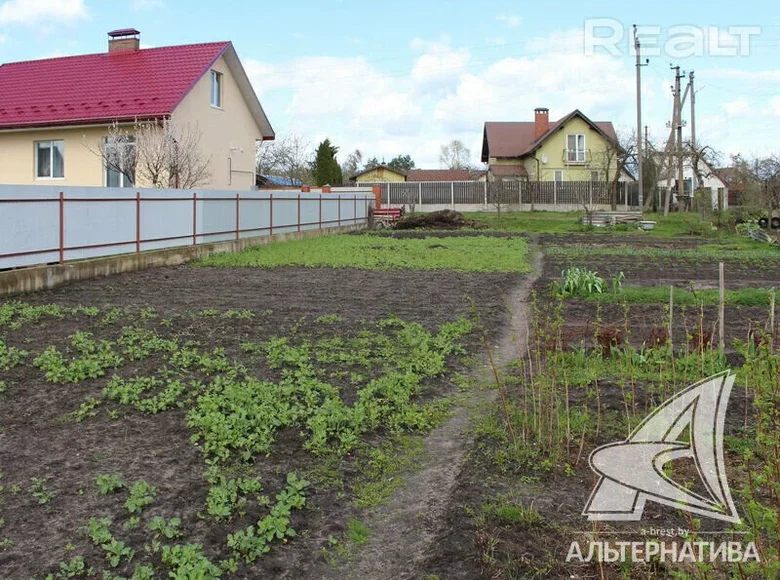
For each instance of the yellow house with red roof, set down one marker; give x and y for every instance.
(55, 114)
(573, 148)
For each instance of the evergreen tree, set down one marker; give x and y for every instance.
(325, 168)
(401, 163)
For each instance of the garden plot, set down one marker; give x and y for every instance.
(223, 421)
(596, 366)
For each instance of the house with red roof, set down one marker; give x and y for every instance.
(56, 114)
(573, 148)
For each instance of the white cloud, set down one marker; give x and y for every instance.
(510, 20)
(146, 4)
(34, 11)
(737, 108)
(3, 39)
(440, 65)
(774, 107)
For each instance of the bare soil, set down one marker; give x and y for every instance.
(38, 440)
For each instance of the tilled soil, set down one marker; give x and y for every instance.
(38, 440)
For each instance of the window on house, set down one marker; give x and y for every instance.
(558, 175)
(49, 159)
(216, 89)
(119, 153)
(575, 148)
(594, 176)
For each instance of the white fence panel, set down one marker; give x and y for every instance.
(47, 224)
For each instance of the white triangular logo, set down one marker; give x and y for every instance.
(632, 471)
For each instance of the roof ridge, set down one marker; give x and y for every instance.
(106, 53)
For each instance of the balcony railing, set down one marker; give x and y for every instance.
(577, 156)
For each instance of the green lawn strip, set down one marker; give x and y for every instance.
(660, 295)
(752, 253)
(552, 222)
(480, 254)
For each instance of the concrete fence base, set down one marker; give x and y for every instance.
(45, 277)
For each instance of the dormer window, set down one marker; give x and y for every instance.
(216, 89)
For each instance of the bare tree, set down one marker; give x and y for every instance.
(455, 155)
(759, 179)
(289, 157)
(352, 165)
(156, 154)
(501, 193)
(613, 161)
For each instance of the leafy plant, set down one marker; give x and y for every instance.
(580, 282)
(109, 483)
(165, 529)
(141, 495)
(188, 562)
(39, 490)
(116, 551)
(10, 356)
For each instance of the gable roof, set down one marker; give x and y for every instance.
(113, 86)
(380, 166)
(438, 175)
(517, 139)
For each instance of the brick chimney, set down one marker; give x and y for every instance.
(541, 121)
(124, 40)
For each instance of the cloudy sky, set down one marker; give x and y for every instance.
(406, 76)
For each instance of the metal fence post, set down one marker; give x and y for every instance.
(137, 222)
(320, 211)
(238, 216)
(485, 191)
(338, 198)
(271, 214)
(452, 194)
(299, 212)
(625, 193)
(194, 218)
(419, 193)
(62, 227)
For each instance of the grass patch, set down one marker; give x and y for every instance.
(480, 254)
(357, 532)
(382, 469)
(660, 295)
(553, 222)
(752, 253)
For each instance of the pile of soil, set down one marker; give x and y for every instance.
(445, 219)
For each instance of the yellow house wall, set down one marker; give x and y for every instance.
(231, 126)
(555, 145)
(82, 166)
(380, 175)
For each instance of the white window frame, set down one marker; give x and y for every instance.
(123, 180)
(558, 173)
(578, 154)
(51, 176)
(216, 89)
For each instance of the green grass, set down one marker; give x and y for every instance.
(553, 222)
(752, 252)
(480, 254)
(357, 532)
(660, 295)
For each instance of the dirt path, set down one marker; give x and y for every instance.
(402, 531)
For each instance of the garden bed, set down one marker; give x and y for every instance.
(101, 378)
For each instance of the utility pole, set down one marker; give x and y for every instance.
(680, 150)
(694, 150)
(639, 156)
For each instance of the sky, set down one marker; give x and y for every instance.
(406, 77)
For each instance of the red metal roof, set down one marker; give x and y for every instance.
(105, 87)
(438, 175)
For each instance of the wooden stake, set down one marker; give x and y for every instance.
(671, 315)
(722, 306)
(772, 300)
